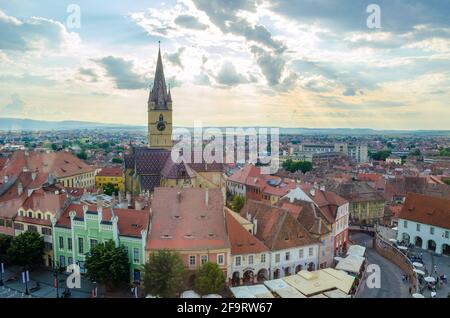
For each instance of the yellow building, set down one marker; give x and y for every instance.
(113, 175)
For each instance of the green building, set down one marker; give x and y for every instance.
(80, 227)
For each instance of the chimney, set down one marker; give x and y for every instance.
(312, 191)
(128, 199)
(33, 175)
(138, 204)
(179, 196)
(255, 226)
(20, 188)
(5, 179)
(322, 188)
(206, 196)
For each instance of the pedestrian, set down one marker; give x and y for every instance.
(410, 290)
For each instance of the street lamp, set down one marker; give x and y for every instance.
(25, 280)
(2, 270)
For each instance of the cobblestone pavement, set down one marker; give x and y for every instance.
(392, 285)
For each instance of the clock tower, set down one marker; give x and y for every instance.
(160, 111)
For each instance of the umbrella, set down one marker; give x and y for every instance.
(417, 264)
(433, 294)
(393, 240)
(212, 296)
(338, 259)
(395, 228)
(417, 295)
(189, 294)
(403, 248)
(418, 271)
(430, 279)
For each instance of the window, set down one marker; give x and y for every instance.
(39, 216)
(2, 222)
(446, 234)
(192, 260)
(238, 261)
(61, 243)
(250, 260)
(287, 256)
(126, 249)
(69, 244)
(418, 227)
(70, 261)
(18, 226)
(432, 230)
(93, 243)
(311, 251)
(136, 255)
(405, 224)
(30, 214)
(62, 261)
(203, 259)
(277, 258)
(221, 259)
(263, 258)
(80, 245)
(32, 228)
(46, 231)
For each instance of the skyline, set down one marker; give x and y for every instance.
(236, 64)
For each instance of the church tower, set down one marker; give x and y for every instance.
(160, 111)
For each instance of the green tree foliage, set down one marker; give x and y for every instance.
(5, 243)
(380, 155)
(27, 249)
(237, 203)
(444, 152)
(415, 152)
(294, 166)
(209, 279)
(447, 181)
(164, 274)
(108, 265)
(110, 188)
(117, 160)
(82, 155)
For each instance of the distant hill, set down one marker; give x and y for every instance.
(16, 124)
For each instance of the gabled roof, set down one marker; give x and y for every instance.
(243, 174)
(358, 192)
(427, 210)
(110, 172)
(187, 219)
(242, 241)
(276, 227)
(45, 201)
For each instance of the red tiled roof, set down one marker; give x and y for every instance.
(276, 227)
(59, 164)
(242, 175)
(427, 210)
(369, 177)
(181, 220)
(242, 241)
(45, 201)
(130, 222)
(110, 172)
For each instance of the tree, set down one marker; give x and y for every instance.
(108, 265)
(380, 155)
(82, 155)
(110, 188)
(27, 249)
(294, 166)
(209, 279)
(237, 203)
(447, 181)
(164, 274)
(54, 147)
(5, 243)
(117, 160)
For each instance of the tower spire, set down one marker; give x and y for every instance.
(158, 95)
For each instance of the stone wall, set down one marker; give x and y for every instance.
(393, 254)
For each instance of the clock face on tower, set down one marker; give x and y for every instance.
(161, 124)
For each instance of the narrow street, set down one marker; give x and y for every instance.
(392, 285)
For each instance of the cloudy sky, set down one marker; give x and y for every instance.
(291, 63)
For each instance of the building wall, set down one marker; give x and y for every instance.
(236, 188)
(258, 264)
(367, 212)
(295, 259)
(100, 181)
(82, 180)
(91, 230)
(440, 236)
